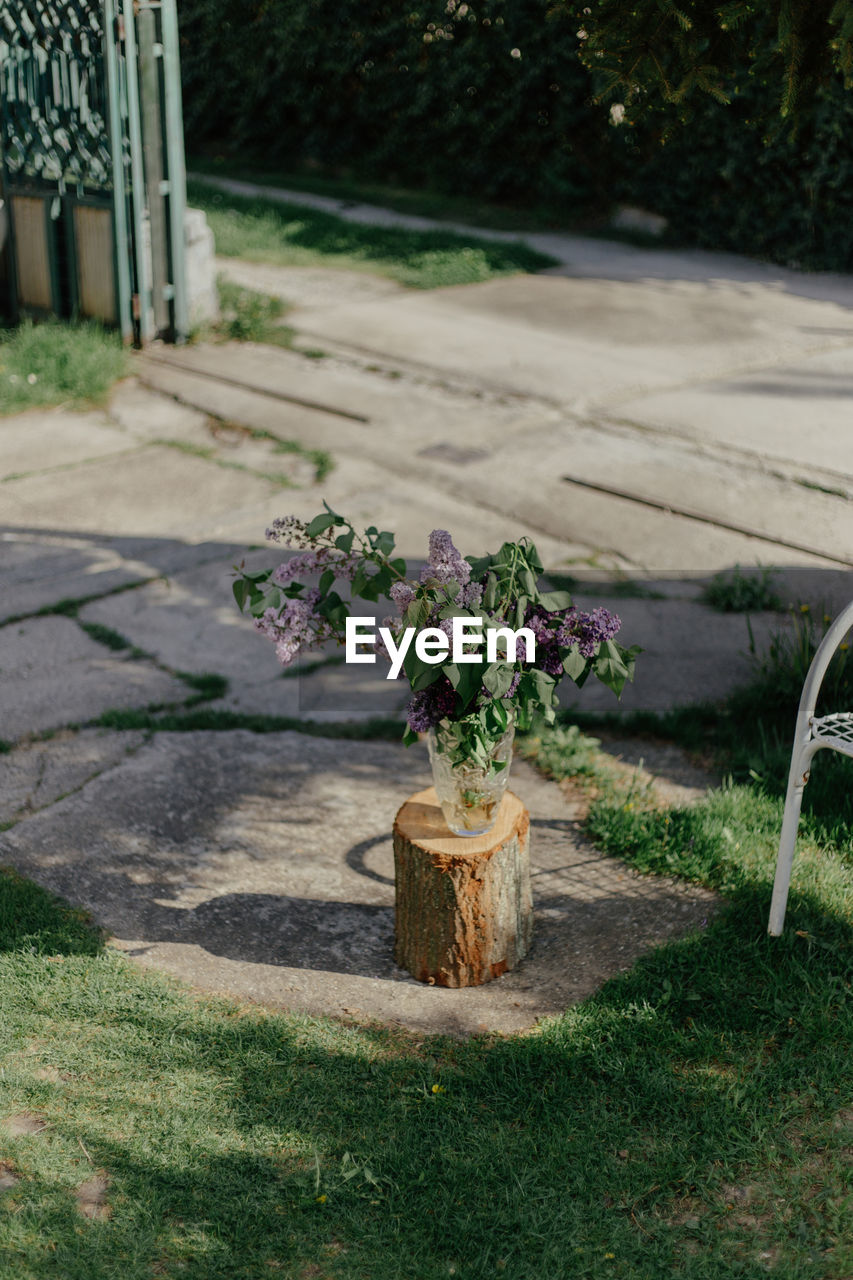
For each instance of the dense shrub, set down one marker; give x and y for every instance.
(487, 99)
(741, 177)
(490, 100)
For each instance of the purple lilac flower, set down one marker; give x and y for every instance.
(547, 653)
(306, 562)
(587, 630)
(445, 562)
(393, 625)
(402, 594)
(472, 595)
(427, 707)
(570, 629)
(290, 530)
(296, 626)
(512, 688)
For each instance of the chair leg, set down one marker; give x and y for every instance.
(790, 823)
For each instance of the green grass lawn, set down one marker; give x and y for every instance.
(295, 236)
(58, 363)
(693, 1119)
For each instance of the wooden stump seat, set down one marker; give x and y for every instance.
(464, 912)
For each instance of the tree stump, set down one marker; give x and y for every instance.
(464, 913)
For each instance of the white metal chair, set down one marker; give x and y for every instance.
(834, 731)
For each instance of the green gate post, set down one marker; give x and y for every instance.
(122, 243)
(142, 249)
(152, 148)
(176, 166)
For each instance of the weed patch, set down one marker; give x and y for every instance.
(44, 364)
(737, 592)
(250, 316)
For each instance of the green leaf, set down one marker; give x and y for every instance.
(555, 601)
(497, 678)
(614, 665)
(320, 524)
(420, 674)
(469, 681)
(409, 737)
(258, 575)
(344, 541)
(326, 579)
(416, 613)
(241, 592)
(383, 581)
(384, 544)
(574, 665)
(499, 712)
(532, 557)
(426, 677)
(478, 566)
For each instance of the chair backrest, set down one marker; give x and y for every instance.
(818, 669)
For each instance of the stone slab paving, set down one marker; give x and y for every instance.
(190, 622)
(38, 569)
(533, 332)
(733, 492)
(311, 286)
(37, 774)
(536, 469)
(53, 674)
(370, 493)
(49, 437)
(795, 413)
(690, 653)
(161, 490)
(263, 866)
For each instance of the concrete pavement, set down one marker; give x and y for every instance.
(646, 430)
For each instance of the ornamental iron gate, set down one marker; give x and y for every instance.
(93, 175)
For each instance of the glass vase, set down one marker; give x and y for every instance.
(470, 795)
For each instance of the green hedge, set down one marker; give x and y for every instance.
(740, 177)
(435, 97)
(409, 93)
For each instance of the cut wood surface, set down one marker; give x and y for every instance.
(464, 912)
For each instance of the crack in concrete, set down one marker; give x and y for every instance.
(59, 467)
(29, 808)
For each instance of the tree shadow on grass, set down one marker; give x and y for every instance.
(708, 1075)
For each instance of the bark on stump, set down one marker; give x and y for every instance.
(464, 912)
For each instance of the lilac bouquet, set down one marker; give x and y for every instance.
(464, 669)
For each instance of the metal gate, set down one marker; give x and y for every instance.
(94, 182)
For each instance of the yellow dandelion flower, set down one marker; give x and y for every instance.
(804, 608)
(610, 1255)
(438, 1088)
(321, 1199)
